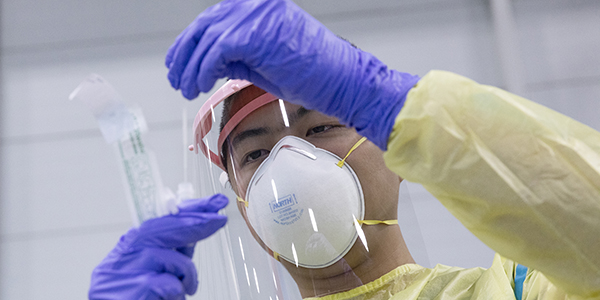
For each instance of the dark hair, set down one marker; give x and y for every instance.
(225, 117)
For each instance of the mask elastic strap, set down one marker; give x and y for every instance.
(275, 254)
(365, 222)
(341, 162)
(243, 201)
(375, 222)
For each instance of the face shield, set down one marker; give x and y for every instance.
(315, 210)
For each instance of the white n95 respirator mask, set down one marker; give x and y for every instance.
(305, 203)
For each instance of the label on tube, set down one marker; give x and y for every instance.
(123, 127)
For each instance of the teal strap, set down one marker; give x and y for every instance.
(520, 275)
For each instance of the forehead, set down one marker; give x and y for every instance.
(266, 125)
(275, 115)
(278, 113)
(261, 128)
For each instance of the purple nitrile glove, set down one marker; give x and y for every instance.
(285, 51)
(154, 260)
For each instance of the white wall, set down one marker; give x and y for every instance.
(62, 205)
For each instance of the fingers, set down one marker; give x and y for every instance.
(187, 251)
(164, 286)
(176, 231)
(241, 71)
(180, 53)
(210, 204)
(210, 67)
(218, 39)
(116, 284)
(169, 59)
(228, 20)
(196, 220)
(230, 39)
(189, 89)
(187, 45)
(151, 261)
(172, 49)
(170, 262)
(144, 264)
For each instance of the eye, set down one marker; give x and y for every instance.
(255, 155)
(319, 129)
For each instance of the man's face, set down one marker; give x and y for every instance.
(251, 141)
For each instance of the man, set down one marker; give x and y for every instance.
(379, 250)
(524, 179)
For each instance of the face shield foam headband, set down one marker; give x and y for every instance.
(205, 118)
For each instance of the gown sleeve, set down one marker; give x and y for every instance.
(521, 177)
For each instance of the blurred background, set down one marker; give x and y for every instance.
(62, 202)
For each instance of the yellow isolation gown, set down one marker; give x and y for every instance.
(523, 178)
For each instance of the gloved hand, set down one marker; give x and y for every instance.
(285, 51)
(154, 260)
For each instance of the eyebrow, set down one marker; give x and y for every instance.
(298, 114)
(250, 133)
(261, 131)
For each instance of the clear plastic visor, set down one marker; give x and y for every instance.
(311, 201)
